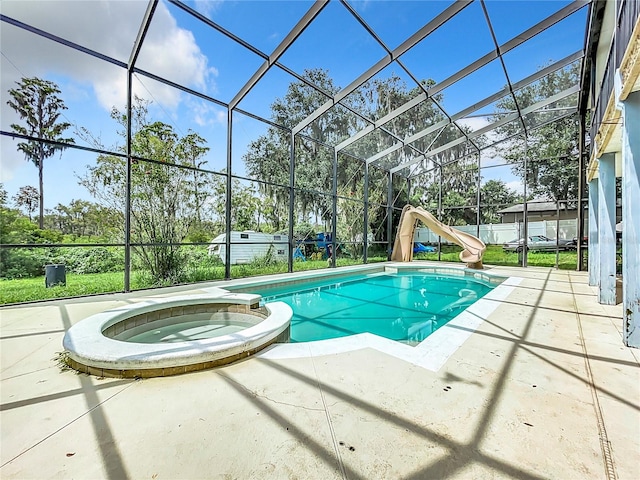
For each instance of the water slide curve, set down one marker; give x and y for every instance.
(473, 247)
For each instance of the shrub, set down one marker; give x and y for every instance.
(266, 260)
(24, 262)
(201, 266)
(92, 259)
(199, 235)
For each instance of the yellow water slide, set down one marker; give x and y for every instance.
(473, 247)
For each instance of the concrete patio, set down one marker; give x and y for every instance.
(543, 389)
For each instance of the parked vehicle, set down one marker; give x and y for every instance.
(539, 243)
(248, 245)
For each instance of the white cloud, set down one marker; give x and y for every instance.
(363, 5)
(205, 113)
(474, 123)
(108, 27)
(172, 52)
(208, 7)
(516, 186)
(491, 158)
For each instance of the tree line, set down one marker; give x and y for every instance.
(175, 200)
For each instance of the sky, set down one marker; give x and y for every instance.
(190, 53)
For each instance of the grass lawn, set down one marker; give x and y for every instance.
(32, 289)
(494, 255)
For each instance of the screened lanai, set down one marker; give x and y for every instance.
(178, 165)
(312, 123)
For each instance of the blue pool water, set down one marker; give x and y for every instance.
(406, 307)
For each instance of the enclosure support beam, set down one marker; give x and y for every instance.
(607, 228)
(389, 216)
(292, 172)
(416, 38)
(478, 199)
(511, 137)
(509, 45)
(461, 114)
(504, 67)
(135, 52)
(525, 224)
(365, 230)
(437, 88)
(631, 220)
(486, 129)
(127, 192)
(440, 211)
(227, 213)
(142, 33)
(295, 32)
(594, 251)
(558, 233)
(581, 189)
(62, 41)
(334, 213)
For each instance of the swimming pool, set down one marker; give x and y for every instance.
(403, 306)
(200, 330)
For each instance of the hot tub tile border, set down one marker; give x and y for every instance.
(88, 335)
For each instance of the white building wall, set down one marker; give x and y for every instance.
(245, 247)
(499, 233)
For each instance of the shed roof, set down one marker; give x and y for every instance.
(536, 207)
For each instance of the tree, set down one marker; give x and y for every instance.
(268, 157)
(494, 196)
(164, 201)
(37, 103)
(27, 198)
(245, 210)
(459, 198)
(3, 196)
(552, 149)
(83, 218)
(15, 228)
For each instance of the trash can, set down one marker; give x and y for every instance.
(54, 275)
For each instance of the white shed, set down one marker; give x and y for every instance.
(248, 245)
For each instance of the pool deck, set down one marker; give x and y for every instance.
(543, 389)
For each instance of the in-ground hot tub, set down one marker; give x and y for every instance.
(173, 335)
